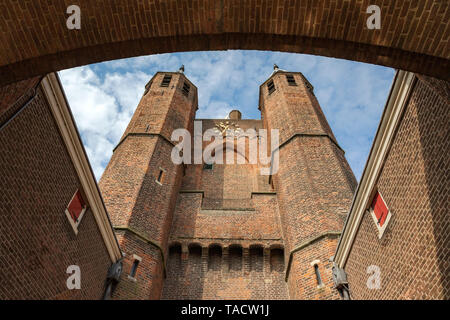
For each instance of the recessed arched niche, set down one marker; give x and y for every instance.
(174, 260)
(256, 255)
(277, 259)
(215, 257)
(235, 257)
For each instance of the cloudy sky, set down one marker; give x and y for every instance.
(104, 96)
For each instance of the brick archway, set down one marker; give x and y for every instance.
(414, 35)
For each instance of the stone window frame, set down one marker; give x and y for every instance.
(381, 229)
(75, 224)
(291, 80)
(139, 260)
(186, 89)
(319, 280)
(167, 79)
(161, 175)
(271, 87)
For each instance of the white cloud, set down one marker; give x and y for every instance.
(97, 112)
(104, 96)
(216, 109)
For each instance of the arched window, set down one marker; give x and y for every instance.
(174, 256)
(214, 257)
(235, 256)
(256, 258)
(315, 265)
(277, 260)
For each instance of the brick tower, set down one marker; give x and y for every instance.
(140, 185)
(314, 183)
(223, 230)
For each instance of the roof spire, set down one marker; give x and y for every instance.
(276, 69)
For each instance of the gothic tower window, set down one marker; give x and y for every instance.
(290, 79)
(166, 80)
(315, 265)
(161, 174)
(186, 88)
(271, 86)
(317, 272)
(134, 267)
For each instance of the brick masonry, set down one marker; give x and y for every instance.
(225, 232)
(413, 254)
(228, 232)
(139, 204)
(314, 183)
(202, 271)
(35, 40)
(226, 240)
(234, 228)
(38, 180)
(14, 96)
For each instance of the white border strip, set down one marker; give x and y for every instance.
(72, 223)
(75, 224)
(400, 91)
(375, 220)
(61, 113)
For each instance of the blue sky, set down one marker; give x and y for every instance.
(104, 96)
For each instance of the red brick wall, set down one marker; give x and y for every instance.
(147, 283)
(14, 96)
(314, 183)
(216, 271)
(229, 217)
(38, 180)
(303, 282)
(413, 253)
(258, 220)
(413, 36)
(234, 209)
(133, 197)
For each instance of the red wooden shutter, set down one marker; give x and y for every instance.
(379, 208)
(76, 206)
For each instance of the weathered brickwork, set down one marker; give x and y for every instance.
(140, 184)
(314, 182)
(148, 281)
(230, 214)
(413, 254)
(413, 36)
(14, 96)
(225, 230)
(231, 272)
(38, 180)
(307, 286)
(193, 220)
